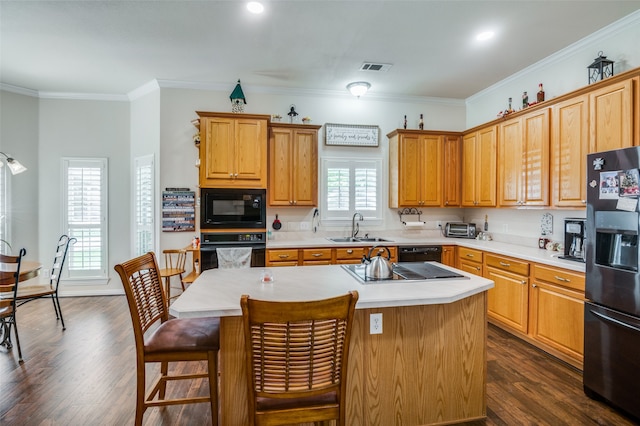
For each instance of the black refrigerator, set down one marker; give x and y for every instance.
(612, 309)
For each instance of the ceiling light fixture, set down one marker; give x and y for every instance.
(255, 7)
(485, 35)
(358, 88)
(13, 164)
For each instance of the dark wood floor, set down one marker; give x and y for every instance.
(86, 375)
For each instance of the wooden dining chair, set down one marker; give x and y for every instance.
(174, 261)
(174, 340)
(28, 291)
(8, 288)
(297, 356)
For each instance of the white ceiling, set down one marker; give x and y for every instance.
(115, 47)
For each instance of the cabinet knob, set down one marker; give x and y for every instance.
(477, 268)
(349, 251)
(236, 175)
(295, 202)
(523, 282)
(230, 175)
(583, 201)
(534, 286)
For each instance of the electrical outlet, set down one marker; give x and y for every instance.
(305, 226)
(375, 324)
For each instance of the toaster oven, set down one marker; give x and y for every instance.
(460, 230)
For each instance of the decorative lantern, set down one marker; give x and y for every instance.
(600, 69)
(237, 99)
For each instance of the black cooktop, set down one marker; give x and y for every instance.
(406, 271)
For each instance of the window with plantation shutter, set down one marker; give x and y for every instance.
(351, 186)
(85, 216)
(143, 204)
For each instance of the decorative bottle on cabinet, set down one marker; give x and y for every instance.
(405, 121)
(525, 100)
(540, 93)
(421, 124)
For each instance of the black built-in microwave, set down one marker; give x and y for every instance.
(231, 208)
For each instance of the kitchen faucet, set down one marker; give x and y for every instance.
(355, 228)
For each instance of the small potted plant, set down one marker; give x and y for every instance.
(306, 120)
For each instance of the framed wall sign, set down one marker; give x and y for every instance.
(178, 210)
(351, 134)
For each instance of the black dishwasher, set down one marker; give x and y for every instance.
(420, 254)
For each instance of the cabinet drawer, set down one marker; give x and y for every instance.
(469, 254)
(282, 255)
(350, 253)
(561, 277)
(316, 254)
(507, 264)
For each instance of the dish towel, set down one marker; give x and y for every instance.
(234, 257)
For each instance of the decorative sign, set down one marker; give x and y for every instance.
(351, 134)
(178, 210)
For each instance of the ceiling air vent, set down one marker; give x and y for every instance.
(370, 66)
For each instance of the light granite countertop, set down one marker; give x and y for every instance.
(531, 254)
(217, 292)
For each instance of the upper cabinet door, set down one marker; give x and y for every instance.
(451, 171)
(293, 165)
(569, 147)
(233, 150)
(535, 178)
(611, 116)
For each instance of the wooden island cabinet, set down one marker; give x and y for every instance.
(233, 150)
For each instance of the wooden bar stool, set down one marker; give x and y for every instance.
(297, 359)
(174, 260)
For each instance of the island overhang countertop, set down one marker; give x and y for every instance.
(217, 292)
(425, 366)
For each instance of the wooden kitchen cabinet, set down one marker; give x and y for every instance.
(479, 168)
(316, 256)
(556, 315)
(349, 255)
(233, 150)
(449, 256)
(523, 160)
(470, 260)
(293, 165)
(415, 168)
(611, 116)
(451, 171)
(569, 148)
(508, 300)
(282, 257)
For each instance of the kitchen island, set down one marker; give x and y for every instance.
(428, 366)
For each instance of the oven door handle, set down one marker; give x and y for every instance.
(607, 318)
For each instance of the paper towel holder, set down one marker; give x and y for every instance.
(412, 211)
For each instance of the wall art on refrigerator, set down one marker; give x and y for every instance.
(178, 210)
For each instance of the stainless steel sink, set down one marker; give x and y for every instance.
(344, 240)
(357, 240)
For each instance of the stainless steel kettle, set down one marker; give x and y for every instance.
(378, 268)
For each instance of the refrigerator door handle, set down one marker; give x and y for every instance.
(614, 321)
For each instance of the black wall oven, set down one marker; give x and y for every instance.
(231, 208)
(210, 241)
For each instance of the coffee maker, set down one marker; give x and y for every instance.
(574, 244)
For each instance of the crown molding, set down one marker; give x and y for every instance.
(18, 90)
(83, 96)
(143, 90)
(628, 21)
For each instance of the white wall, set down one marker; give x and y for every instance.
(561, 72)
(80, 128)
(178, 153)
(19, 137)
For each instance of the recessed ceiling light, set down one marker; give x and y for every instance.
(485, 35)
(255, 7)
